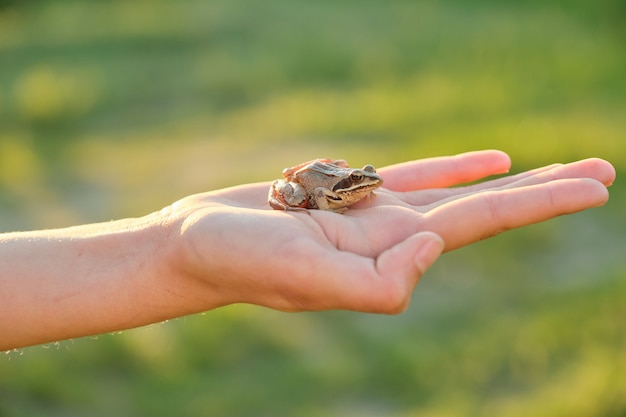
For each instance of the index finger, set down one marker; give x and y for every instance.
(444, 171)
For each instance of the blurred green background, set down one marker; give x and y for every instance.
(113, 109)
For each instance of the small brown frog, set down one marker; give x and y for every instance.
(323, 184)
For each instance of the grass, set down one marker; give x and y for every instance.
(115, 109)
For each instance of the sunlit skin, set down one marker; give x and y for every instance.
(228, 246)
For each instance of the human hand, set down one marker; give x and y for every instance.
(235, 248)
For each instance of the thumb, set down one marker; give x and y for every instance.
(402, 266)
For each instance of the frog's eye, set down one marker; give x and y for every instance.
(369, 168)
(356, 177)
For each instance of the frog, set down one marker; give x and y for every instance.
(323, 184)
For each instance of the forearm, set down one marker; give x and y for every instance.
(58, 284)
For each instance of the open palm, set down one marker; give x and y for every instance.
(371, 257)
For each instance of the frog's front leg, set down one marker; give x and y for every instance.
(324, 198)
(285, 195)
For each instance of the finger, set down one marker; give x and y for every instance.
(388, 285)
(444, 171)
(593, 168)
(438, 196)
(483, 215)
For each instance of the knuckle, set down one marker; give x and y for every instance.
(394, 299)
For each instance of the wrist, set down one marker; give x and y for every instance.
(185, 259)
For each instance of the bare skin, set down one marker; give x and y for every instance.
(228, 246)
